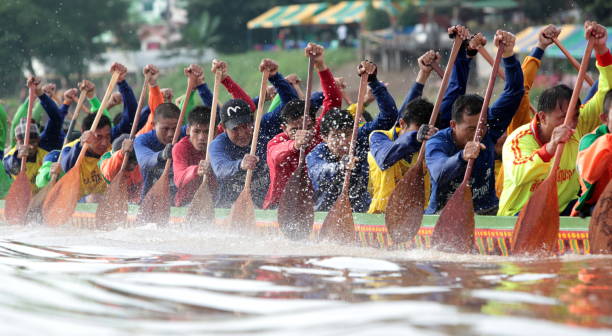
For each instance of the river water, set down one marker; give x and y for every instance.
(153, 281)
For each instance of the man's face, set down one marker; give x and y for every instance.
(293, 126)
(102, 140)
(555, 118)
(198, 136)
(164, 129)
(339, 141)
(465, 130)
(34, 141)
(241, 135)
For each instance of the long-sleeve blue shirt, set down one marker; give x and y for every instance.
(52, 137)
(388, 152)
(148, 154)
(271, 121)
(445, 160)
(225, 158)
(415, 91)
(327, 171)
(456, 87)
(129, 109)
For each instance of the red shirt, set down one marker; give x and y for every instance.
(282, 157)
(185, 160)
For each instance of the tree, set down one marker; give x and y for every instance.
(376, 19)
(203, 33)
(598, 10)
(59, 34)
(541, 11)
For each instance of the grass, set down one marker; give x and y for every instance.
(244, 68)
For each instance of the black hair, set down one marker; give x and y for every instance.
(469, 105)
(607, 102)
(336, 119)
(417, 111)
(199, 115)
(294, 110)
(552, 97)
(88, 122)
(366, 116)
(167, 111)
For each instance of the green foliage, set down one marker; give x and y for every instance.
(244, 68)
(598, 10)
(376, 19)
(60, 34)
(539, 12)
(409, 16)
(203, 33)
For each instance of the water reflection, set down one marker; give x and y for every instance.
(86, 289)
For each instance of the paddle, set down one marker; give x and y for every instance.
(537, 227)
(18, 197)
(338, 224)
(202, 208)
(113, 207)
(155, 207)
(59, 206)
(404, 211)
(485, 54)
(242, 213)
(454, 231)
(35, 209)
(296, 204)
(572, 60)
(600, 236)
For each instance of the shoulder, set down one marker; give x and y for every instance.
(146, 138)
(523, 133)
(52, 156)
(318, 151)
(72, 144)
(279, 138)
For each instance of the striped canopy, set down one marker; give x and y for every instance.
(283, 16)
(571, 37)
(352, 11)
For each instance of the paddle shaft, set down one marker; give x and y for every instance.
(103, 105)
(26, 139)
(443, 86)
(485, 107)
(307, 104)
(571, 107)
(437, 69)
(572, 60)
(212, 126)
(136, 119)
(260, 106)
(485, 54)
(363, 86)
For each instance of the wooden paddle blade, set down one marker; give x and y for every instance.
(296, 206)
(202, 207)
(242, 213)
(113, 208)
(155, 207)
(17, 200)
(537, 228)
(36, 204)
(600, 228)
(338, 224)
(59, 205)
(454, 231)
(404, 212)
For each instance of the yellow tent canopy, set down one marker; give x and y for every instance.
(352, 11)
(283, 16)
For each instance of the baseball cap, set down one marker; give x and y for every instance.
(235, 112)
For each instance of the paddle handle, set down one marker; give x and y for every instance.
(75, 115)
(443, 86)
(258, 115)
(437, 69)
(307, 104)
(571, 107)
(212, 125)
(572, 60)
(26, 140)
(363, 86)
(177, 130)
(103, 105)
(485, 108)
(485, 54)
